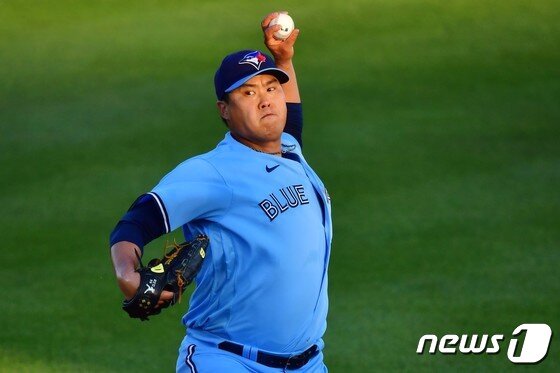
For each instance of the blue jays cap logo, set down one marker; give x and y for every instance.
(254, 59)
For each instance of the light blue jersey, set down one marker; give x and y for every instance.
(264, 280)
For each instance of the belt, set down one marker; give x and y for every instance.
(274, 361)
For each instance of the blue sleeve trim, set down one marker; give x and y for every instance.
(294, 121)
(144, 221)
(165, 216)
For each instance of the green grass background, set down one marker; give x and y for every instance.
(434, 124)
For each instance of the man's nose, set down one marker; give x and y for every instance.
(264, 103)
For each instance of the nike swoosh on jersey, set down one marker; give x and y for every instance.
(270, 169)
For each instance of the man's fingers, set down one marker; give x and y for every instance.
(270, 17)
(269, 32)
(293, 37)
(164, 299)
(267, 19)
(166, 295)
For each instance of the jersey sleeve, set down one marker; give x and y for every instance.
(142, 223)
(193, 190)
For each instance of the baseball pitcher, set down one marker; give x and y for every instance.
(257, 225)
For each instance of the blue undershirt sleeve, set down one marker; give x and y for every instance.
(294, 121)
(143, 222)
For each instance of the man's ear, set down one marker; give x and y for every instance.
(223, 109)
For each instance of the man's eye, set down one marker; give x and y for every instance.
(270, 89)
(249, 93)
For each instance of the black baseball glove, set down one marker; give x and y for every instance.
(173, 273)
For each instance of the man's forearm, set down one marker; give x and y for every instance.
(291, 89)
(125, 261)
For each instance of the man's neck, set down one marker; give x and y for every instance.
(270, 147)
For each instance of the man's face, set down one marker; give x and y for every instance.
(256, 111)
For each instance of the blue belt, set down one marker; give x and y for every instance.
(274, 361)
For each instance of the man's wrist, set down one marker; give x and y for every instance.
(284, 64)
(129, 284)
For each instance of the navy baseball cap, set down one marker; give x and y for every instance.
(239, 67)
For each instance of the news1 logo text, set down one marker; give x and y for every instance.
(529, 350)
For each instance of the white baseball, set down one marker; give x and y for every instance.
(287, 24)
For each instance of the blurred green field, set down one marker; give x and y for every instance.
(434, 124)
